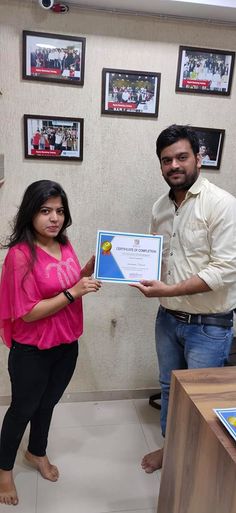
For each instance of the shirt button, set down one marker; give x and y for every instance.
(174, 234)
(177, 213)
(171, 253)
(169, 272)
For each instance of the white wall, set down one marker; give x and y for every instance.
(119, 179)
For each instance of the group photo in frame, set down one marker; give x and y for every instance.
(203, 70)
(53, 137)
(133, 93)
(210, 146)
(53, 57)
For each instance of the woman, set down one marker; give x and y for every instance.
(40, 320)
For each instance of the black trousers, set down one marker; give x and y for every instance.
(38, 380)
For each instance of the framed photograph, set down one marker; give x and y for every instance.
(53, 58)
(133, 93)
(2, 178)
(1, 167)
(210, 146)
(205, 71)
(53, 137)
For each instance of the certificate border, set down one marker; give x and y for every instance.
(118, 280)
(219, 412)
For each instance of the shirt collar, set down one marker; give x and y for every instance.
(194, 190)
(197, 186)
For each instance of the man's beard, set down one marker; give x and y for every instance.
(190, 180)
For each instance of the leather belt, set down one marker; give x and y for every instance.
(220, 319)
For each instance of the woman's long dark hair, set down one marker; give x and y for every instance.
(34, 197)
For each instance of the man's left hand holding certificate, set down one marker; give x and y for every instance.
(127, 257)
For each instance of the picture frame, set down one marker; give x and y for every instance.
(2, 173)
(53, 58)
(204, 71)
(210, 144)
(53, 137)
(130, 93)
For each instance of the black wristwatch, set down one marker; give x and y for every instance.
(68, 296)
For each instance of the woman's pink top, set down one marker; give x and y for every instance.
(21, 290)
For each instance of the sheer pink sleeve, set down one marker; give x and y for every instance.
(18, 290)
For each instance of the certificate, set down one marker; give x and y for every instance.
(228, 418)
(127, 257)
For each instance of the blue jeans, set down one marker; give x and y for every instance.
(187, 346)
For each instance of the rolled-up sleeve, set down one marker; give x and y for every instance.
(221, 269)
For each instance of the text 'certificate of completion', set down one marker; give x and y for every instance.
(127, 257)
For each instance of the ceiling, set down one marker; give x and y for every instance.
(223, 11)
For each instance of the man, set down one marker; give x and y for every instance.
(198, 288)
(203, 153)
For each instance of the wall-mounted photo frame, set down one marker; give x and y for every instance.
(53, 137)
(2, 173)
(210, 146)
(205, 71)
(130, 93)
(53, 57)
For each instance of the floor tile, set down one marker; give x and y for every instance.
(140, 511)
(94, 413)
(98, 447)
(100, 471)
(149, 418)
(26, 485)
(3, 410)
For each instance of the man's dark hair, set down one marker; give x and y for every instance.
(34, 197)
(173, 134)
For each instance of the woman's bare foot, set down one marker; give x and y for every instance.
(8, 493)
(152, 461)
(43, 465)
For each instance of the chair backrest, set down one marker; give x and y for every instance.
(232, 354)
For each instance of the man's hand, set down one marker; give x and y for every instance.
(152, 288)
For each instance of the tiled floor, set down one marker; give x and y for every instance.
(97, 447)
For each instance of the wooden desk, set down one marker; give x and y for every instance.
(199, 468)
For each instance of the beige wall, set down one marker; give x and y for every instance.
(119, 179)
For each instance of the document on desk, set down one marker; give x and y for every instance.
(127, 257)
(228, 418)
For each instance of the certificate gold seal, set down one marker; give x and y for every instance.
(106, 247)
(232, 421)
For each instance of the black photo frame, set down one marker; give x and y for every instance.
(53, 57)
(210, 144)
(204, 71)
(53, 137)
(130, 93)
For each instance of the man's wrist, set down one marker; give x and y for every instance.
(170, 290)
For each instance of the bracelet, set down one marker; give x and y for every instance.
(68, 296)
